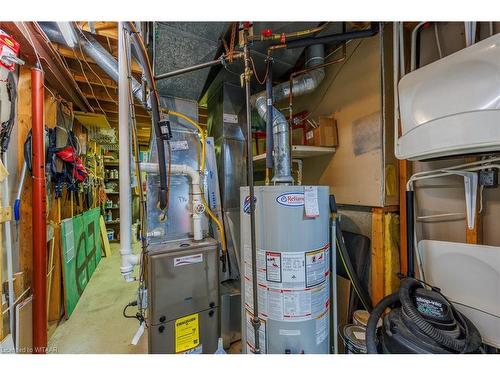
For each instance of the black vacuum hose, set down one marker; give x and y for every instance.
(470, 342)
(376, 314)
(458, 345)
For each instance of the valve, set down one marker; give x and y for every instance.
(266, 33)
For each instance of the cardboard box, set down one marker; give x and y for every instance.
(325, 135)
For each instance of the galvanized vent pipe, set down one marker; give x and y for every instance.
(95, 51)
(301, 85)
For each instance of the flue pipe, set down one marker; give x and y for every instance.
(39, 215)
(128, 258)
(302, 84)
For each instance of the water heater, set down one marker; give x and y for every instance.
(293, 265)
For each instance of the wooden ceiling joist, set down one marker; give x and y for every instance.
(75, 54)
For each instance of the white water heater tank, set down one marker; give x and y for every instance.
(293, 265)
(452, 106)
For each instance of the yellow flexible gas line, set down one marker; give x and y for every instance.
(202, 171)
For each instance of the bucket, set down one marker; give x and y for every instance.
(354, 338)
(111, 234)
(360, 318)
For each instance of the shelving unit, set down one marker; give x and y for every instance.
(114, 197)
(298, 152)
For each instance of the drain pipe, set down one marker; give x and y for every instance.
(128, 258)
(301, 85)
(39, 214)
(94, 50)
(197, 205)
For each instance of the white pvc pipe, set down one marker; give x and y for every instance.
(8, 245)
(128, 259)
(197, 205)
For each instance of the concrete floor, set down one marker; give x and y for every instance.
(97, 324)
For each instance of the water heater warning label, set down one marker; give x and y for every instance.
(273, 267)
(316, 266)
(292, 286)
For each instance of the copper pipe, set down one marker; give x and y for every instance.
(39, 215)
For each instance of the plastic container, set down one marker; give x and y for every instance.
(354, 338)
(220, 347)
(360, 318)
(111, 234)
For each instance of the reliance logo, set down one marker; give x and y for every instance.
(291, 199)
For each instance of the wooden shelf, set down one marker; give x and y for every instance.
(299, 152)
(112, 192)
(112, 222)
(111, 163)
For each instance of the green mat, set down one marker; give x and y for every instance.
(81, 253)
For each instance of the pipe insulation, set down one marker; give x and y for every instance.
(198, 208)
(301, 85)
(93, 49)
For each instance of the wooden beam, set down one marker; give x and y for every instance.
(377, 255)
(75, 54)
(114, 117)
(105, 29)
(113, 108)
(101, 81)
(403, 178)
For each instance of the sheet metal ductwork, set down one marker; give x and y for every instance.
(94, 50)
(301, 85)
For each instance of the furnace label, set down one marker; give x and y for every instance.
(190, 259)
(187, 333)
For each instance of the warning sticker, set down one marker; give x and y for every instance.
(273, 267)
(293, 266)
(251, 334)
(317, 266)
(187, 333)
(322, 328)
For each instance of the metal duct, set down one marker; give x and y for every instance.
(301, 85)
(94, 50)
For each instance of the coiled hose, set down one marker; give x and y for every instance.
(414, 317)
(470, 342)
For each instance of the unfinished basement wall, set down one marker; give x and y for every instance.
(446, 195)
(363, 172)
(352, 93)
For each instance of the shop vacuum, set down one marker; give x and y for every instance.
(421, 320)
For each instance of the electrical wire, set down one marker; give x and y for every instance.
(154, 88)
(88, 82)
(90, 67)
(263, 81)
